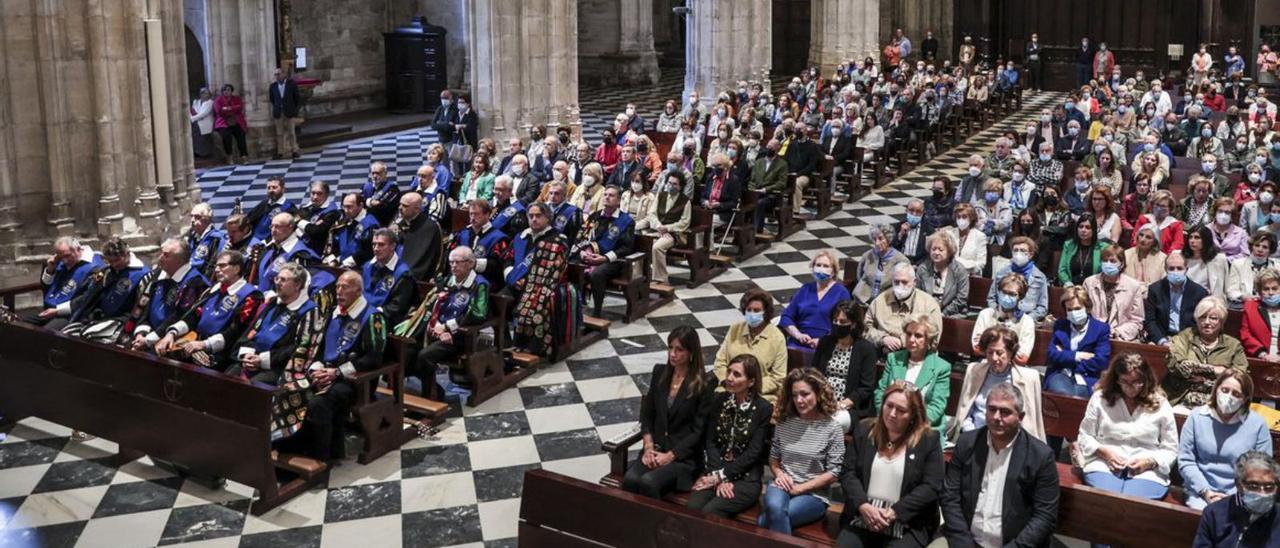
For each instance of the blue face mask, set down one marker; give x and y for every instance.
(1078, 316)
(821, 274)
(992, 196)
(1006, 301)
(1272, 301)
(1046, 157)
(1149, 147)
(913, 219)
(1179, 277)
(1070, 105)
(1110, 269)
(1275, 217)
(754, 319)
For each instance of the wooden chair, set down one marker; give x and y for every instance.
(633, 283)
(696, 249)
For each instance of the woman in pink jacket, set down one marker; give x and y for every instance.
(228, 110)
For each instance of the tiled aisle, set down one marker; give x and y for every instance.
(462, 487)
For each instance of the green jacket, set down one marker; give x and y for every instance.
(934, 382)
(773, 180)
(1068, 253)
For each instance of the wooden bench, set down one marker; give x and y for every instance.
(558, 511)
(206, 422)
(696, 249)
(642, 296)
(741, 232)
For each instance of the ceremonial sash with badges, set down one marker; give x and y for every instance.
(503, 217)
(66, 281)
(607, 241)
(379, 281)
(275, 323)
(341, 335)
(524, 259)
(219, 308)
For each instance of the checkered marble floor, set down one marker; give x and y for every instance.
(463, 485)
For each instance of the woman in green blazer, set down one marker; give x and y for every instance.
(1082, 255)
(920, 365)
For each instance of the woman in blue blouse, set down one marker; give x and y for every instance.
(1081, 347)
(808, 316)
(1215, 435)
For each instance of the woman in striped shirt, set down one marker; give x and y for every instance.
(808, 449)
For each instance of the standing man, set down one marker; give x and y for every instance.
(285, 100)
(442, 122)
(1084, 62)
(1035, 64)
(904, 44)
(929, 48)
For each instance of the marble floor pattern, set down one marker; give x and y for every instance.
(461, 487)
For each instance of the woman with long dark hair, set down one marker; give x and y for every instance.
(735, 442)
(671, 418)
(808, 450)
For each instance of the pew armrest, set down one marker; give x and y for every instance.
(633, 268)
(617, 448)
(8, 295)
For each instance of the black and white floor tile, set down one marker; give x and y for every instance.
(461, 487)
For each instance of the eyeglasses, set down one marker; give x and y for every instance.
(1260, 487)
(1135, 384)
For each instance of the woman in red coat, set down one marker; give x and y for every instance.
(1260, 326)
(1171, 229)
(228, 110)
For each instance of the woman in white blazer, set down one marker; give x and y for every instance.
(1243, 269)
(202, 123)
(971, 242)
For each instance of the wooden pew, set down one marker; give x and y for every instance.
(743, 231)
(696, 250)
(642, 297)
(209, 423)
(559, 511)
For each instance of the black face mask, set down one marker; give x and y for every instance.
(769, 153)
(938, 194)
(841, 331)
(1051, 200)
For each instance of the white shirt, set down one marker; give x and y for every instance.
(1144, 433)
(988, 513)
(913, 371)
(886, 478)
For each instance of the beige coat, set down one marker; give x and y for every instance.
(1128, 311)
(1025, 378)
(1148, 270)
(887, 315)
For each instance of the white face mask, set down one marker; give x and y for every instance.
(518, 169)
(974, 171)
(962, 223)
(1228, 404)
(588, 180)
(1223, 218)
(637, 187)
(901, 291)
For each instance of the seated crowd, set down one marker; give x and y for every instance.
(1103, 225)
(1088, 203)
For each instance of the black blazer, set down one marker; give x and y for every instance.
(859, 383)
(922, 475)
(802, 157)
(1030, 512)
(840, 154)
(1069, 148)
(284, 104)
(730, 194)
(678, 427)
(1157, 309)
(423, 246)
(920, 253)
(471, 123)
(442, 122)
(748, 465)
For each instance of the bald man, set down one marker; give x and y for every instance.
(284, 247)
(353, 342)
(421, 236)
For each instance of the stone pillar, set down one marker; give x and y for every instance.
(915, 17)
(728, 41)
(77, 149)
(623, 56)
(841, 30)
(242, 52)
(524, 65)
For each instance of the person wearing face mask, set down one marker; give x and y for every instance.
(1044, 171)
(875, 266)
(1250, 517)
(939, 209)
(1243, 270)
(667, 222)
(769, 178)
(1255, 214)
(669, 120)
(807, 317)
(1010, 291)
(1158, 98)
(588, 194)
(1198, 356)
(1240, 156)
(1205, 143)
(466, 126)
(970, 241)
(757, 336)
(1170, 302)
(911, 234)
(889, 311)
(442, 121)
(1171, 229)
(1217, 433)
(1230, 239)
(1073, 145)
(970, 188)
(1117, 298)
(995, 217)
(1128, 438)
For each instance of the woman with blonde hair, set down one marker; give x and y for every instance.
(807, 317)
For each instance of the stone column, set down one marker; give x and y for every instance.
(728, 41)
(616, 42)
(524, 64)
(915, 17)
(839, 31)
(242, 52)
(77, 149)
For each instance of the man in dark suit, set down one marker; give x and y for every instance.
(1001, 486)
(802, 159)
(836, 147)
(1084, 62)
(543, 165)
(422, 243)
(1074, 144)
(1171, 301)
(626, 168)
(285, 100)
(911, 236)
(317, 217)
(442, 122)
